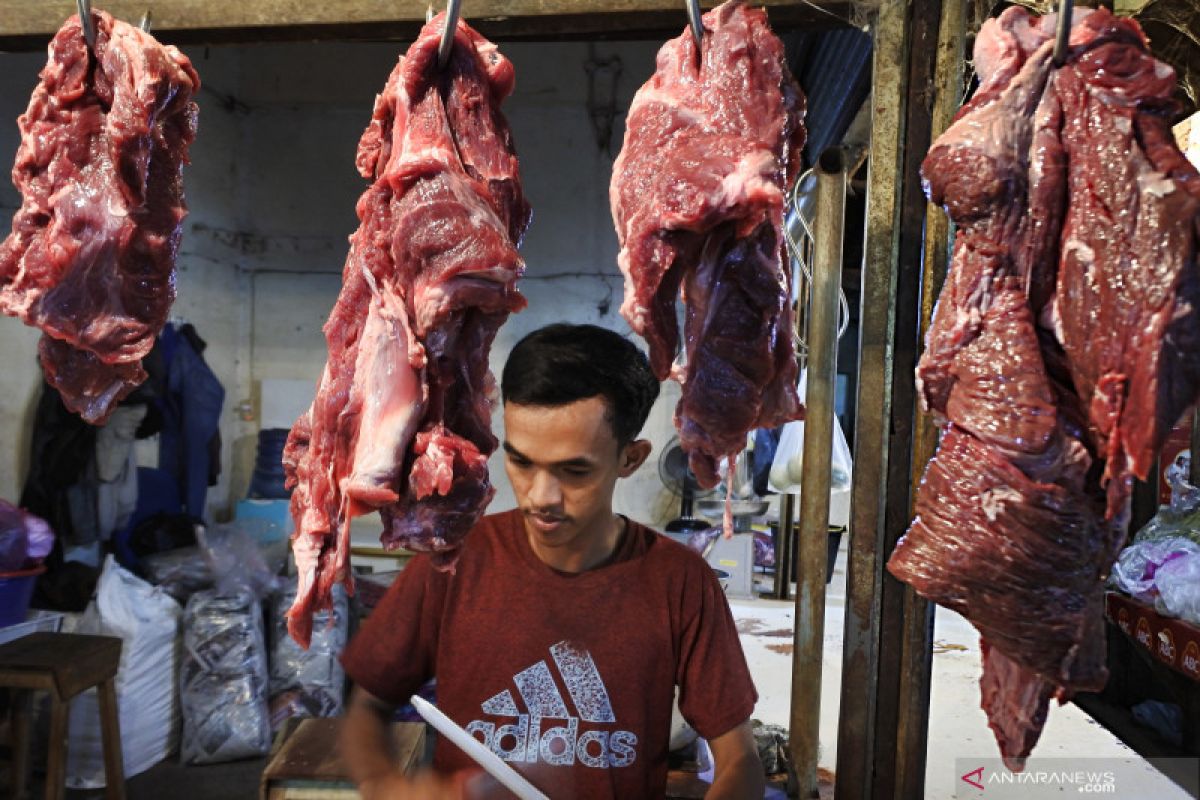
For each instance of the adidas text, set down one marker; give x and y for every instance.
(562, 745)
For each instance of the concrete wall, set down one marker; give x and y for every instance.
(272, 189)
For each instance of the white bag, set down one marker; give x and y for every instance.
(788, 465)
(147, 621)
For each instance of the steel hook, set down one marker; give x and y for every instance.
(450, 25)
(1063, 34)
(145, 23)
(85, 22)
(693, 12)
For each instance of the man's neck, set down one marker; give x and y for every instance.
(601, 548)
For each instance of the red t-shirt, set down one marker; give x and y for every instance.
(568, 677)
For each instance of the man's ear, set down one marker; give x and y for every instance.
(633, 456)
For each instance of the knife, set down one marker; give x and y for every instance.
(479, 753)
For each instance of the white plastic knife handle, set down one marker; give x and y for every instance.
(482, 756)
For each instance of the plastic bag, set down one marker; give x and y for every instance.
(181, 573)
(230, 558)
(307, 683)
(1137, 568)
(240, 560)
(1178, 584)
(1181, 518)
(223, 679)
(24, 538)
(1165, 719)
(788, 465)
(147, 621)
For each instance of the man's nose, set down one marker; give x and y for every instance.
(545, 491)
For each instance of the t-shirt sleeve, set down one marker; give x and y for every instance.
(716, 692)
(394, 652)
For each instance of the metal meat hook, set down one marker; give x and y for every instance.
(145, 23)
(693, 12)
(1063, 32)
(450, 25)
(85, 21)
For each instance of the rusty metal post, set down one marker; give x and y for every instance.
(809, 635)
(860, 649)
(883, 719)
(916, 655)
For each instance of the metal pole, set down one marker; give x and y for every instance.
(916, 654)
(860, 678)
(883, 716)
(816, 477)
(784, 553)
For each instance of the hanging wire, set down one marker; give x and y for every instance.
(693, 12)
(86, 22)
(453, 9)
(801, 250)
(1063, 33)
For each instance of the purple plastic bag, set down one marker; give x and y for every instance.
(24, 539)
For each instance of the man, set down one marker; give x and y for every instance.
(561, 634)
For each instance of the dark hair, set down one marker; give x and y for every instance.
(562, 363)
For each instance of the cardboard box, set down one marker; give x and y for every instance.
(1174, 642)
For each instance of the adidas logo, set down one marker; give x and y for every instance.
(529, 740)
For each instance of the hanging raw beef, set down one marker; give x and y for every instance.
(1062, 350)
(711, 144)
(402, 418)
(91, 257)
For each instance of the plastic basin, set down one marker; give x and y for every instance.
(16, 590)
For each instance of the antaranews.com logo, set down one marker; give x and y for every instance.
(990, 782)
(1059, 778)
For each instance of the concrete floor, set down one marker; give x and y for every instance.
(957, 725)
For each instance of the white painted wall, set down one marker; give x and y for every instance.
(272, 189)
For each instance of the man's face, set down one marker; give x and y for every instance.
(563, 462)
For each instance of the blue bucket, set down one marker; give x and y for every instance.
(16, 590)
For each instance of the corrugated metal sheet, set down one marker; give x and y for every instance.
(834, 69)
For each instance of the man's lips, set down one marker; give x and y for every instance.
(545, 522)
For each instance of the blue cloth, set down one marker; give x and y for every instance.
(191, 412)
(158, 493)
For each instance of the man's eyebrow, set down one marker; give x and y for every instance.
(581, 461)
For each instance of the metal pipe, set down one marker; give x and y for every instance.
(784, 554)
(809, 636)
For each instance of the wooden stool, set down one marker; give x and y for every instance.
(63, 664)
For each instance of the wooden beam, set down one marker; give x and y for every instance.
(28, 24)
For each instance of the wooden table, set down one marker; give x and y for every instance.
(305, 764)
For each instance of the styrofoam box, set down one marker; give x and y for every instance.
(36, 620)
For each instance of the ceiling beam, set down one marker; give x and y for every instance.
(29, 24)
